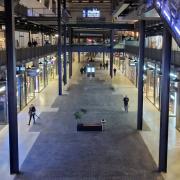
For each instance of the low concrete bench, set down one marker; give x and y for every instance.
(89, 127)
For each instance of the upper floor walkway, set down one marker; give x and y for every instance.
(24, 55)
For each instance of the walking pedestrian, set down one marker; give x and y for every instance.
(126, 101)
(84, 69)
(100, 65)
(104, 65)
(81, 70)
(107, 65)
(114, 71)
(32, 113)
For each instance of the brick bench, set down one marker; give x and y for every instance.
(89, 127)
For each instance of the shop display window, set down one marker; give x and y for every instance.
(3, 103)
(21, 94)
(150, 85)
(30, 88)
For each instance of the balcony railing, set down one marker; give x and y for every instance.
(91, 20)
(153, 54)
(27, 54)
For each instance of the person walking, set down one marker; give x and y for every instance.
(100, 65)
(81, 70)
(114, 71)
(104, 65)
(32, 113)
(107, 65)
(126, 101)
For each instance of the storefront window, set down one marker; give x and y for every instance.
(172, 99)
(41, 78)
(150, 84)
(3, 103)
(30, 89)
(157, 90)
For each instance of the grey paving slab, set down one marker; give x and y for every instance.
(60, 152)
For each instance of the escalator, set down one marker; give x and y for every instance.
(169, 11)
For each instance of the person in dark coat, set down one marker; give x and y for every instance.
(81, 70)
(107, 65)
(126, 101)
(104, 65)
(32, 113)
(100, 65)
(114, 71)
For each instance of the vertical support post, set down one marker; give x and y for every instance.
(164, 112)
(103, 51)
(65, 48)
(65, 59)
(136, 75)
(178, 105)
(59, 48)
(79, 57)
(29, 36)
(70, 52)
(42, 34)
(11, 82)
(111, 53)
(140, 75)
(103, 58)
(154, 76)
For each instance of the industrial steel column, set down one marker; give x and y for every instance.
(70, 52)
(140, 74)
(11, 82)
(178, 105)
(65, 47)
(65, 59)
(59, 48)
(79, 55)
(103, 51)
(164, 112)
(111, 53)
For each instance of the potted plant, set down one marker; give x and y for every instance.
(78, 116)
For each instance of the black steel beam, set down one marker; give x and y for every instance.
(52, 21)
(65, 59)
(111, 53)
(94, 48)
(164, 112)
(59, 48)
(140, 75)
(70, 52)
(11, 82)
(128, 27)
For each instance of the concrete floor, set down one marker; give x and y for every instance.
(60, 152)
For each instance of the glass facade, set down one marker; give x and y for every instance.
(21, 91)
(3, 103)
(152, 82)
(150, 85)
(30, 88)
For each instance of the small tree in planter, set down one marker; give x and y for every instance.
(78, 114)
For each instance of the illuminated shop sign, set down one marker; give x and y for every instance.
(20, 69)
(33, 72)
(90, 13)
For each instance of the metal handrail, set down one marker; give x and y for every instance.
(153, 54)
(29, 53)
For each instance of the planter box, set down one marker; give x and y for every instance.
(89, 127)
